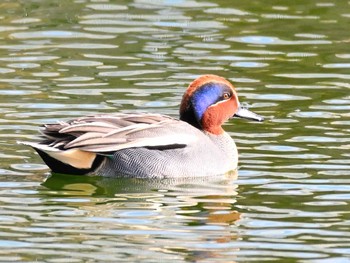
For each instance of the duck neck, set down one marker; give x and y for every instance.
(189, 117)
(207, 126)
(215, 130)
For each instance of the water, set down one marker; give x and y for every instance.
(289, 61)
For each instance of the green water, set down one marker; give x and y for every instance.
(289, 61)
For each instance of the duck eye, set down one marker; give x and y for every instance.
(226, 95)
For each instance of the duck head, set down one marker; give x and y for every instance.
(211, 100)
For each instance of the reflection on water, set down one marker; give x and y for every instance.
(97, 214)
(289, 62)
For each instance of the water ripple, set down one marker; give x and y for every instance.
(288, 62)
(57, 34)
(266, 40)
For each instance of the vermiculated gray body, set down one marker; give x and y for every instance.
(213, 155)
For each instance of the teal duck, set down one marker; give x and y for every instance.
(151, 145)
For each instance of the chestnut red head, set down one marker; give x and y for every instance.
(209, 101)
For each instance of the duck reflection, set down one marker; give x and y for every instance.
(183, 214)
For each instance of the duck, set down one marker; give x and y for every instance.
(149, 145)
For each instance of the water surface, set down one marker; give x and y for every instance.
(289, 62)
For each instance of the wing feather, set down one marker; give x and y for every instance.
(97, 126)
(108, 133)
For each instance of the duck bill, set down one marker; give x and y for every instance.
(247, 114)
